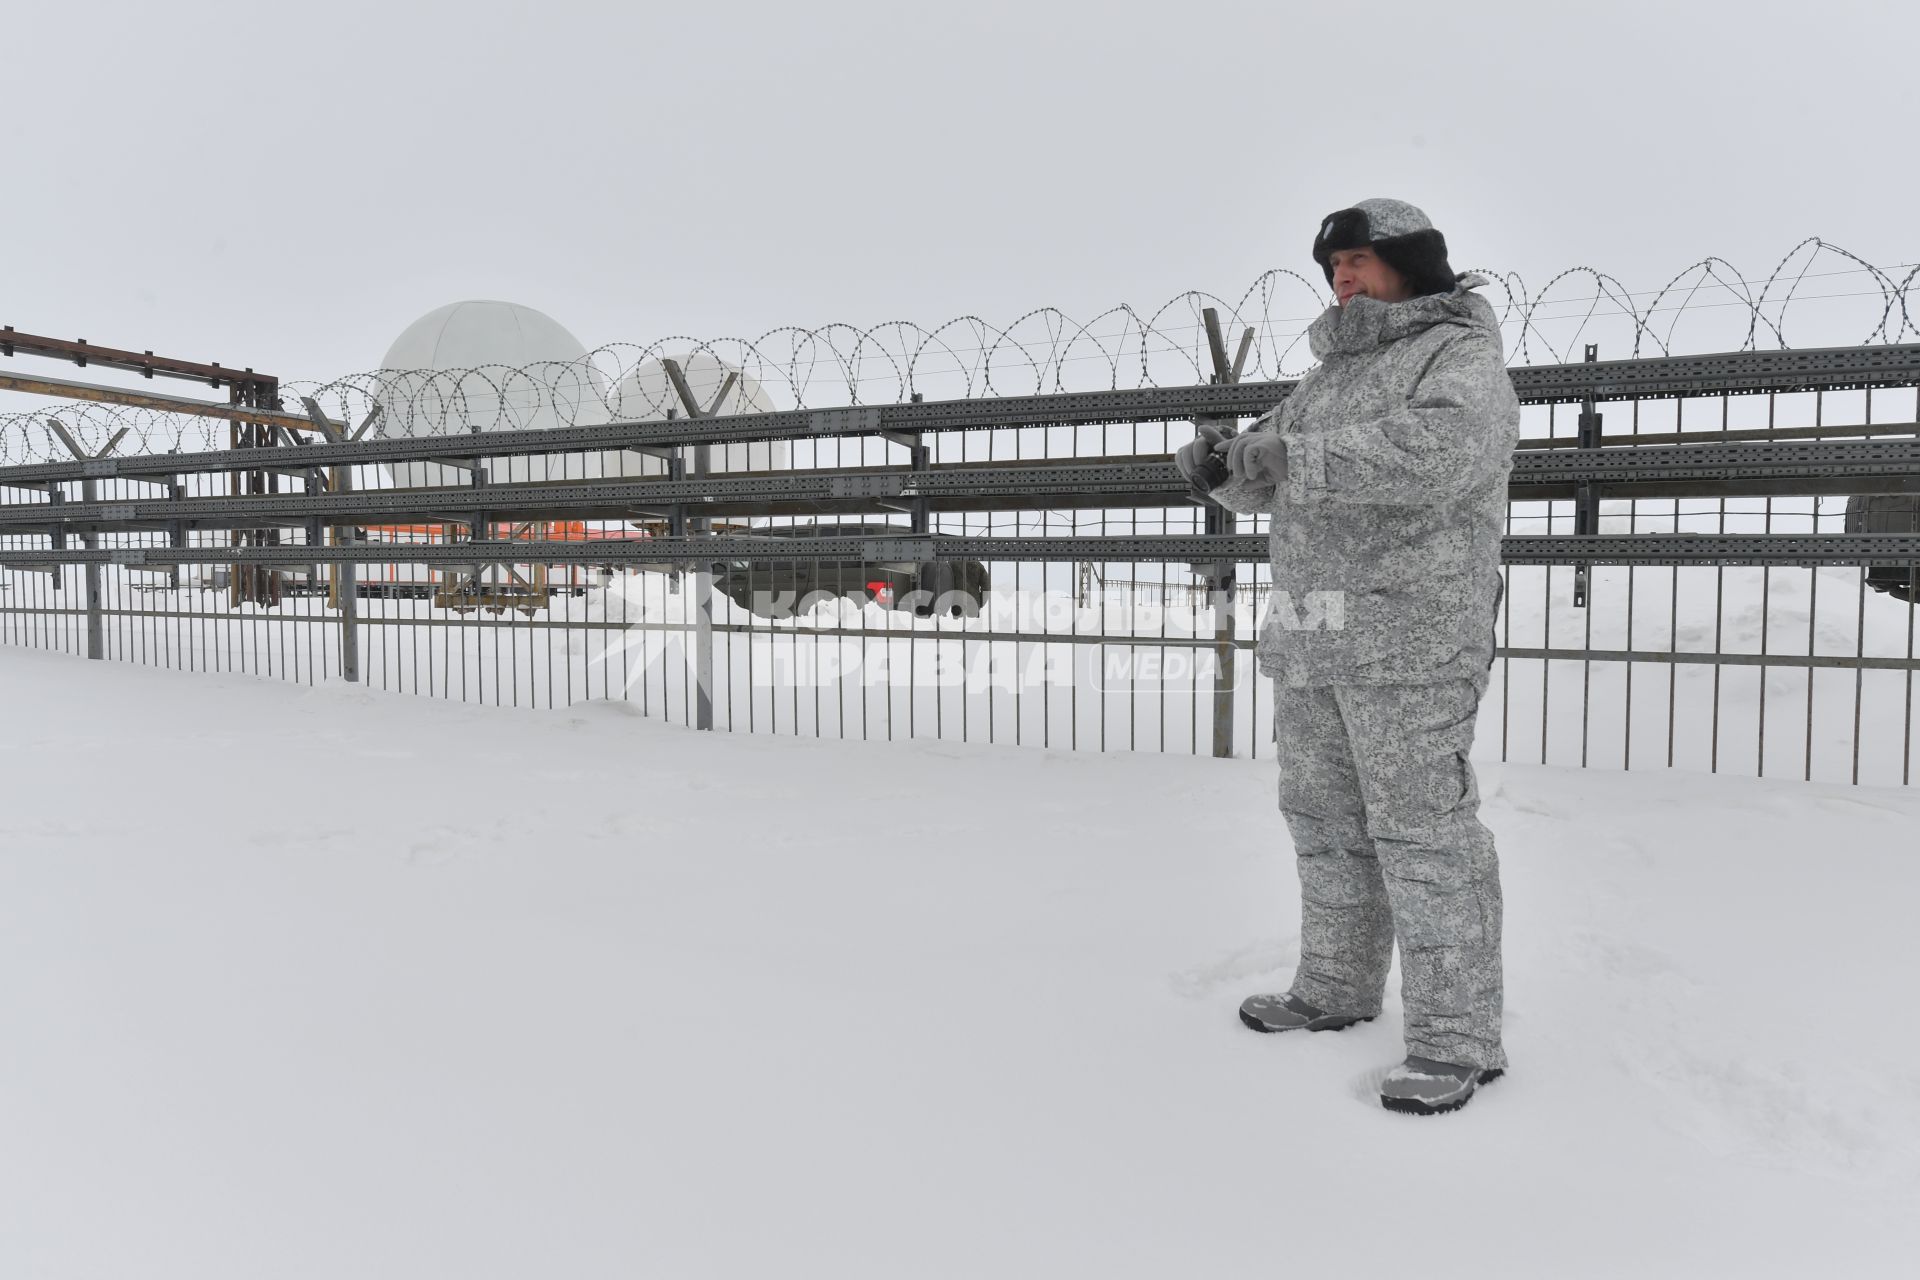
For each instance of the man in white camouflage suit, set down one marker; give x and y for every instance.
(1385, 474)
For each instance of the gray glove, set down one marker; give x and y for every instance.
(1192, 455)
(1259, 457)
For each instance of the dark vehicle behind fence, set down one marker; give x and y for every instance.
(779, 588)
(1887, 513)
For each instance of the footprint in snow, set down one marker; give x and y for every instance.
(1780, 1115)
(1254, 960)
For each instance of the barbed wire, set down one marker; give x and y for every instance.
(1045, 350)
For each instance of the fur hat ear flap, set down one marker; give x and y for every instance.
(1420, 256)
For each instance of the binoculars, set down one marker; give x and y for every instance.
(1212, 473)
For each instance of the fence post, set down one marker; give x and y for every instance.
(176, 530)
(346, 580)
(1222, 675)
(96, 631)
(89, 493)
(1219, 574)
(1586, 500)
(344, 574)
(703, 612)
(703, 572)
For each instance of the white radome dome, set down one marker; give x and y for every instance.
(646, 394)
(499, 366)
(466, 335)
(505, 367)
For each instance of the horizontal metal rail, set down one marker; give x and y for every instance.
(144, 363)
(1071, 409)
(1674, 549)
(1770, 468)
(1641, 439)
(1731, 373)
(1802, 661)
(159, 401)
(1715, 461)
(1839, 661)
(1706, 470)
(1611, 549)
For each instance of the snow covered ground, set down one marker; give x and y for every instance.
(319, 981)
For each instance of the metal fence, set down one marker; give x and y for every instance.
(1727, 621)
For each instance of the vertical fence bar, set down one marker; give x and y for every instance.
(96, 637)
(346, 584)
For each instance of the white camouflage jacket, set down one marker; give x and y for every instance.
(1386, 535)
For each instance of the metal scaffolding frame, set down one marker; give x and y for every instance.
(272, 531)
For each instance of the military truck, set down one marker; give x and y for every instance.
(775, 588)
(1887, 513)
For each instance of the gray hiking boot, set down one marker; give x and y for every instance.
(1422, 1087)
(1288, 1012)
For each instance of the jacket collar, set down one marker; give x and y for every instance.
(1365, 324)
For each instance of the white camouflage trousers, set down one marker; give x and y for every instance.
(1377, 790)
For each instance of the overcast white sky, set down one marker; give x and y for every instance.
(288, 186)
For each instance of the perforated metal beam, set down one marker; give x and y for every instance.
(1714, 461)
(1733, 373)
(1769, 468)
(1617, 549)
(1714, 549)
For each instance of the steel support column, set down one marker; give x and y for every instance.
(1586, 501)
(1221, 675)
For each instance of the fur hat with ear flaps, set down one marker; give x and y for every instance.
(1399, 233)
